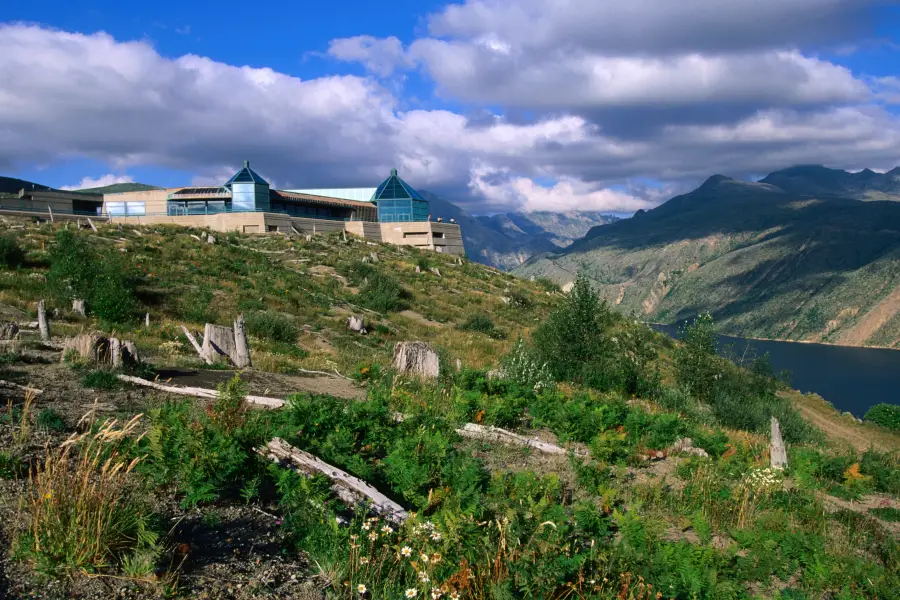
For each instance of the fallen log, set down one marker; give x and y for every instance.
(495, 434)
(196, 392)
(352, 490)
(16, 386)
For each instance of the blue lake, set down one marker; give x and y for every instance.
(852, 379)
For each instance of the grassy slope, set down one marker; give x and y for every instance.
(788, 269)
(680, 523)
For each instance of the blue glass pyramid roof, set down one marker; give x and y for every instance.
(246, 175)
(394, 188)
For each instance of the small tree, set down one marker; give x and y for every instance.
(695, 358)
(573, 341)
(11, 254)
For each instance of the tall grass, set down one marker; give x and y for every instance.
(82, 513)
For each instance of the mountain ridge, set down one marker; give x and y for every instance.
(764, 261)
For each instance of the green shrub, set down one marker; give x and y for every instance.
(11, 254)
(100, 279)
(573, 340)
(382, 293)
(886, 415)
(886, 513)
(697, 366)
(272, 326)
(100, 379)
(50, 419)
(482, 324)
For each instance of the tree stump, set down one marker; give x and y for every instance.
(777, 451)
(9, 330)
(43, 324)
(356, 324)
(417, 359)
(91, 347)
(78, 307)
(218, 341)
(241, 356)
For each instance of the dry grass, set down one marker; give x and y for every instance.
(81, 512)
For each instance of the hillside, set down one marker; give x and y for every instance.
(560, 228)
(765, 262)
(626, 463)
(118, 188)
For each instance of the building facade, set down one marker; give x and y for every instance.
(394, 212)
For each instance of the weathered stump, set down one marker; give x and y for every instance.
(356, 324)
(218, 341)
(78, 307)
(91, 347)
(777, 451)
(417, 359)
(43, 324)
(241, 356)
(9, 330)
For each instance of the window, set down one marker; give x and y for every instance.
(115, 208)
(138, 209)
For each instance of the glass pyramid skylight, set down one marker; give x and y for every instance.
(246, 175)
(394, 188)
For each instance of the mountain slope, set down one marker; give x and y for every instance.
(485, 244)
(117, 188)
(763, 261)
(814, 180)
(560, 228)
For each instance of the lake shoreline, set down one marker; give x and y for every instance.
(762, 339)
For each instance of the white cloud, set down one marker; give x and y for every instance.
(379, 55)
(122, 103)
(103, 180)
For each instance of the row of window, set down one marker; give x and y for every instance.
(394, 211)
(129, 209)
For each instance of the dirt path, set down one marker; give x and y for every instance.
(841, 429)
(873, 320)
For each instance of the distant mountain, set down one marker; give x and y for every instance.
(805, 264)
(486, 244)
(118, 188)
(815, 180)
(561, 228)
(11, 185)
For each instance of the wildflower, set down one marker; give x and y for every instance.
(454, 595)
(411, 592)
(366, 527)
(436, 557)
(364, 560)
(436, 593)
(406, 551)
(424, 558)
(436, 536)
(373, 536)
(361, 589)
(387, 529)
(424, 577)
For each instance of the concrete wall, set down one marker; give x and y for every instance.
(430, 235)
(440, 237)
(39, 201)
(155, 200)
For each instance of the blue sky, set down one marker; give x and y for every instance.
(500, 105)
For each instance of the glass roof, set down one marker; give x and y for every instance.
(246, 175)
(394, 188)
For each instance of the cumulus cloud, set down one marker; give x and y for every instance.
(103, 180)
(379, 55)
(589, 116)
(653, 27)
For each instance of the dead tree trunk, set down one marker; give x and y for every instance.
(115, 353)
(190, 337)
(241, 346)
(78, 307)
(351, 490)
(417, 359)
(777, 451)
(147, 320)
(9, 331)
(91, 223)
(204, 393)
(43, 324)
(218, 341)
(495, 434)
